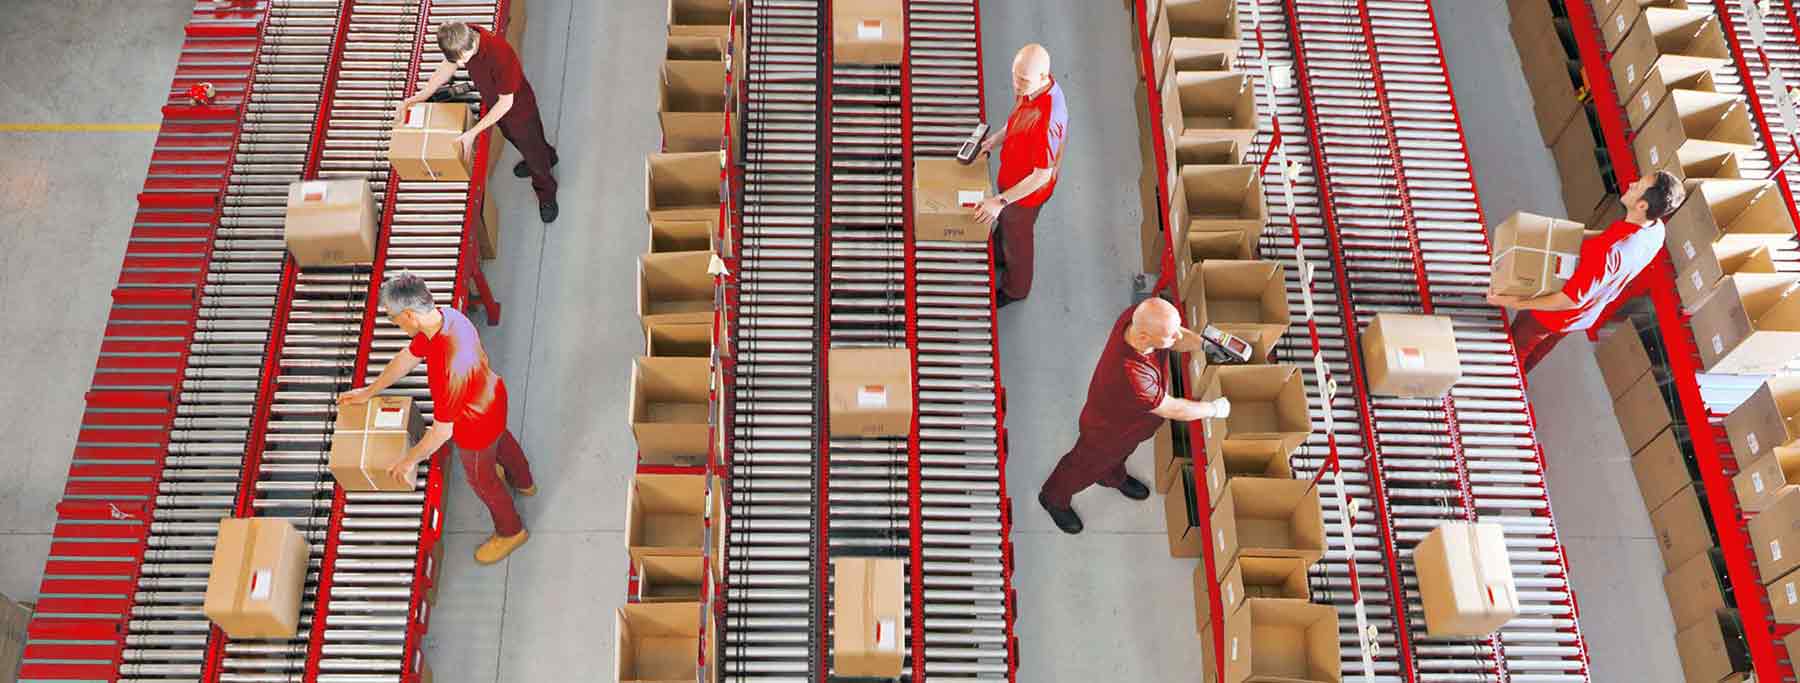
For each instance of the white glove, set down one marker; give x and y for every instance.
(1221, 407)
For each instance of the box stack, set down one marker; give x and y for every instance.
(657, 642)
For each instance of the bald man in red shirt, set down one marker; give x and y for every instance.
(1031, 146)
(1128, 400)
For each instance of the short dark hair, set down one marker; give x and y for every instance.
(1663, 196)
(455, 38)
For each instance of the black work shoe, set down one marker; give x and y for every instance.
(1134, 489)
(1065, 518)
(547, 211)
(520, 170)
(1001, 300)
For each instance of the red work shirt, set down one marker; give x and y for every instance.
(495, 70)
(464, 390)
(1035, 134)
(1607, 264)
(1126, 386)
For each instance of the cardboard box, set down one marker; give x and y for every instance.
(1690, 127)
(705, 46)
(1203, 18)
(1182, 512)
(1221, 468)
(1530, 20)
(665, 516)
(1715, 262)
(656, 642)
(1201, 107)
(258, 578)
(1577, 156)
(870, 392)
(487, 233)
(1749, 324)
(1784, 598)
(669, 409)
(868, 620)
(423, 145)
(1269, 413)
(1791, 642)
(1246, 296)
(1656, 87)
(1623, 14)
(1682, 527)
(369, 438)
(1680, 42)
(516, 21)
(1465, 580)
(1217, 210)
(867, 32)
(945, 194)
(691, 105)
(1770, 418)
(1193, 53)
(1714, 649)
(1534, 255)
(13, 621)
(1622, 357)
(676, 236)
(1282, 641)
(682, 186)
(1766, 477)
(1642, 412)
(678, 340)
(1662, 469)
(1696, 588)
(670, 579)
(330, 222)
(1411, 356)
(1546, 67)
(700, 18)
(1775, 536)
(674, 288)
(1269, 578)
(1160, 42)
(1267, 518)
(1748, 213)
(1170, 446)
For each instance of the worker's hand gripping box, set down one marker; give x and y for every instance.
(1411, 355)
(1465, 580)
(423, 145)
(868, 628)
(330, 222)
(870, 392)
(1285, 641)
(867, 32)
(258, 578)
(945, 194)
(1534, 255)
(1749, 324)
(657, 642)
(1269, 416)
(1769, 419)
(369, 438)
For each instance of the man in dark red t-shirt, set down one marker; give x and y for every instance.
(1127, 401)
(1031, 146)
(468, 406)
(506, 100)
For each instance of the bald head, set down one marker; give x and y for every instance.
(1031, 70)
(1155, 324)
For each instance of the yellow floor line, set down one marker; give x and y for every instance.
(78, 127)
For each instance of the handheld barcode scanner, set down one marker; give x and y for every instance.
(1232, 345)
(965, 154)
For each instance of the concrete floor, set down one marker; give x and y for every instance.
(545, 614)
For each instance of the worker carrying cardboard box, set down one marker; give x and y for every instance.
(468, 405)
(1606, 264)
(1128, 400)
(507, 100)
(1031, 147)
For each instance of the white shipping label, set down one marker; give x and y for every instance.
(262, 584)
(1718, 344)
(1644, 99)
(1630, 73)
(314, 191)
(1688, 248)
(1698, 284)
(1234, 648)
(1220, 533)
(415, 116)
(1756, 481)
(1229, 594)
(1206, 428)
(1751, 441)
(1793, 596)
(1655, 157)
(886, 635)
(1775, 550)
(389, 418)
(868, 29)
(1565, 267)
(871, 396)
(1213, 474)
(1620, 22)
(970, 198)
(1408, 358)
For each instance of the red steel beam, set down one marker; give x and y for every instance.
(822, 476)
(915, 513)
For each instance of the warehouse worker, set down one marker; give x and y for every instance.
(468, 405)
(1606, 264)
(1127, 401)
(1031, 146)
(506, 100)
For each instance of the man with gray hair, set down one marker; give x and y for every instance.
(468, 405)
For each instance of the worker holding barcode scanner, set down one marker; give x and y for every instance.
(1031, 146)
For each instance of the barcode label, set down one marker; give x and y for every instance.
(868, 29)
(871, 396)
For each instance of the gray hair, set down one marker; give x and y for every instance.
(404, 291)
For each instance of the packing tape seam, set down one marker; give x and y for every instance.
(362, 458)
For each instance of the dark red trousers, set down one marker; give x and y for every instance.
(1095, 459)
(478, 466)
(525, 130)
(1013, 243)
(1532, 340)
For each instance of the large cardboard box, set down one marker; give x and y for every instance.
(13, 620)
(1534, 255)
(1716, 261)
(1546, 66)
(423, 144)
(1642, 412)
(678, 340)
(691, 99)
(1766, 477)
(674, 287)
(869, 626)
(1726, 212)
(1160, 42)
(1683, 528)
(670, 579)
(1221, 468)
(1269, 413)
(1203, 18)
(1171, 449)
(330, 222)
(1656, 87)
(1238, 296)
(867, 31)
(1714, 649)
(1749, 324)
(1577, 155)
(1411, 356)
(656, 642)
(1218, 211)
(1662, 469)
(682, 186)
(870, 392)
(1770, 418)
(1282, 641)
(1784, 598)
(1690, 127)
(1182, 512)
(1696, 588)
(945, 194)
(370, 437)
(1680, 42)
(258, 578)
(1530, 20)
(669, 409)
(1622, 357)
(665, 516)
(1270, 578)
(1201, 107)
(1267, 518)
(1465, 580)
(1775, 536)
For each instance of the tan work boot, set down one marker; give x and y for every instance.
(526, 492)
(498, 547)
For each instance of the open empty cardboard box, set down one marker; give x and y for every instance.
(1221, 468)
(665, 516)
(1716, 261)
(682, 186)
(1207, 106)
(1766, 477)
(1769, 419)
(1676, 42)
(1733, 212)
(1182, 512)
(700, 18)
(678, 340)
(1749, 324)
(1202, 18)
(656, 642)
(1170, 447)
(1238, 296)
(1282, 641)
(1267, 518)
(675, 288)
(1269, 414)
(669, 408)
(1656, 87)
(1218, 211)
(1281, 578)
(670, 579)
(691, 105)
(1690, 127)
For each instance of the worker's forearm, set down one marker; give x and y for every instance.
(1024, 188)
(491, 118)
(1549, 302)
(1190, 341)
(435, 438)
(397, 368)
(439, 77)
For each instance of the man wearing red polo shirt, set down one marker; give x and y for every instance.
(468, 406)
(1031, 146)
(1127, 401)
(1606, 264)
(507, 100)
